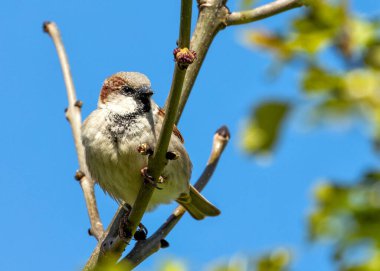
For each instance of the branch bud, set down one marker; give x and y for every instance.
(45, 27)
(224, 132)
(78, 104)
(184, 57)
(79, 175)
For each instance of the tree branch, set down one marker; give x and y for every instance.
(215, 16)
(211, 19)
(73, 115)
(185, 23)
(265, 11)
(156, 162)
(144, 248)
(110, 242)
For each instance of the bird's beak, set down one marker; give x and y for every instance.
(147, 92)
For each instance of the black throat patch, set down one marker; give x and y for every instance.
(119, 125)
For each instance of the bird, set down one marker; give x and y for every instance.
(119, 136)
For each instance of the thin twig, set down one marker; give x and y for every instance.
(185, 23)
(211, 19)
(143, 249)
(73, 115)
(157, 162)
(265, 11)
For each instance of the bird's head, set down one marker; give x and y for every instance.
(126, 92)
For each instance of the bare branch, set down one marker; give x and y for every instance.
(211, 19)
(215, 16)
(156, 162)
(265, 11)
(110, 242)
(185, 23)
(143, 249)
(73, 114)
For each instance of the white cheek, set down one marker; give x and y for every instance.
(123, 105)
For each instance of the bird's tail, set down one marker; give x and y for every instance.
(197, 205)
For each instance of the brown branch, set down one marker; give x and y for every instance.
(110, 242)
(215, 16)
(211, 19)
(156, 163)
(73, 115)
(143, 249)
(265, 11)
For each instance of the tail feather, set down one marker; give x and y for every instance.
(197, 205)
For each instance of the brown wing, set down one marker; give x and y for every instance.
(176, 132)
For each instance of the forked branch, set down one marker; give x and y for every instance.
(157, 162)
(108, 253)
(144, 248)
(215, 16)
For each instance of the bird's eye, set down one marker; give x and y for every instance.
(128, 90)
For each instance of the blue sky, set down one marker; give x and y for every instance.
(44, 217)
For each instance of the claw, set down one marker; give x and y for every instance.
(149, 179)
(172, 155)
(141, 233)
(164, 243)
(145, 149)
(124, 233)
(162, 179)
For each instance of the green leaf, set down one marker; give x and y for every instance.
(278, 260)
(348, 215)
(372, 55)
(317, 80)
(261, 134)
(362, 83)
(173, 265)
(271, 42)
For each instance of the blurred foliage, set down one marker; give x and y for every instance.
(260, 134)
(328, 30)
(349, 215)
(173, 265)
(338, 54)
(277, 260)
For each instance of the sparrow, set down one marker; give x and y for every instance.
(126, 124)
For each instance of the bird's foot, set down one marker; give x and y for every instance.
(124, 233)
(171, 155)
(145, 149)
(162, 179)
(141, 233)
(164, 243)
(149, 179)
